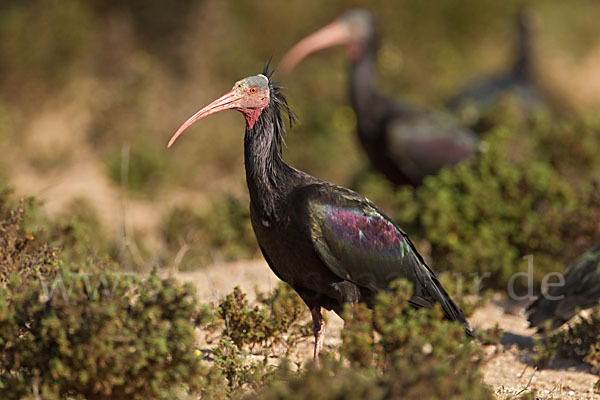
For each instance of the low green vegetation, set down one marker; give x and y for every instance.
(107, 334)
(579, 341)
(280, 319)
(33, 243)
(90, 331)
(529, 193)
(99, 332)
(22, 255)
(392, 351)
(273, 327)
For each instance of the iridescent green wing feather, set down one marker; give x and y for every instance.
(359, 243)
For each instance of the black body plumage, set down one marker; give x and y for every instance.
(581, 290)
(519, 81)
(402, 141)
(332, 245)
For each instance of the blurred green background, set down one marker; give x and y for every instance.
(90, 92)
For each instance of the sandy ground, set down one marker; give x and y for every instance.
(507, 368)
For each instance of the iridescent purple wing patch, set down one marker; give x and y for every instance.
(367, 231)
(360, 244)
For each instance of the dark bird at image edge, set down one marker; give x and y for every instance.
(581, 290)
(332, 245)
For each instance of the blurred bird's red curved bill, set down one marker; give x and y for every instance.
(331, 35)
(227, 101)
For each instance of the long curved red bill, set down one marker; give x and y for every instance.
(330, 35)
(227, 101)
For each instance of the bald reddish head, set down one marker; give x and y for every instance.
(249, 96)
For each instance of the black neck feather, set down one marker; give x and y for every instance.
(269, 178)
(370, 106)
(363, 75)
(522, 67)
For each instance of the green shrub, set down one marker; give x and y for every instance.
(31, 243)
(579, 341)
(332, 381)
(486, 213)
(107, 334)
(280, 318)
(248, 337)
(90, 331)
(241, 375)
(21, 252)
(570, 144)
(392, 351)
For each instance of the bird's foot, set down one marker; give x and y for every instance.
(318, 330)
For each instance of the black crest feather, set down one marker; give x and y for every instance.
(278, 104)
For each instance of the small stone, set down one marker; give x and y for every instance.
(571, 393)
(427, 348)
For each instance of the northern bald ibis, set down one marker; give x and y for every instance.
(404, 142)
(519, 81)
(332, 245)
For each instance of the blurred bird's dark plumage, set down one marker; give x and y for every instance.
(581, 290)
(519, 81)
(404, 142)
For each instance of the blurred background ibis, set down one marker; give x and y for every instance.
(519, 81)
(332, 245)
(404, 142)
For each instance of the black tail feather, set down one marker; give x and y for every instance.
(451, 310)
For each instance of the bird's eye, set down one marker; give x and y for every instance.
(253, 89)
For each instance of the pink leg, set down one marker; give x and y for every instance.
(319, 330)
